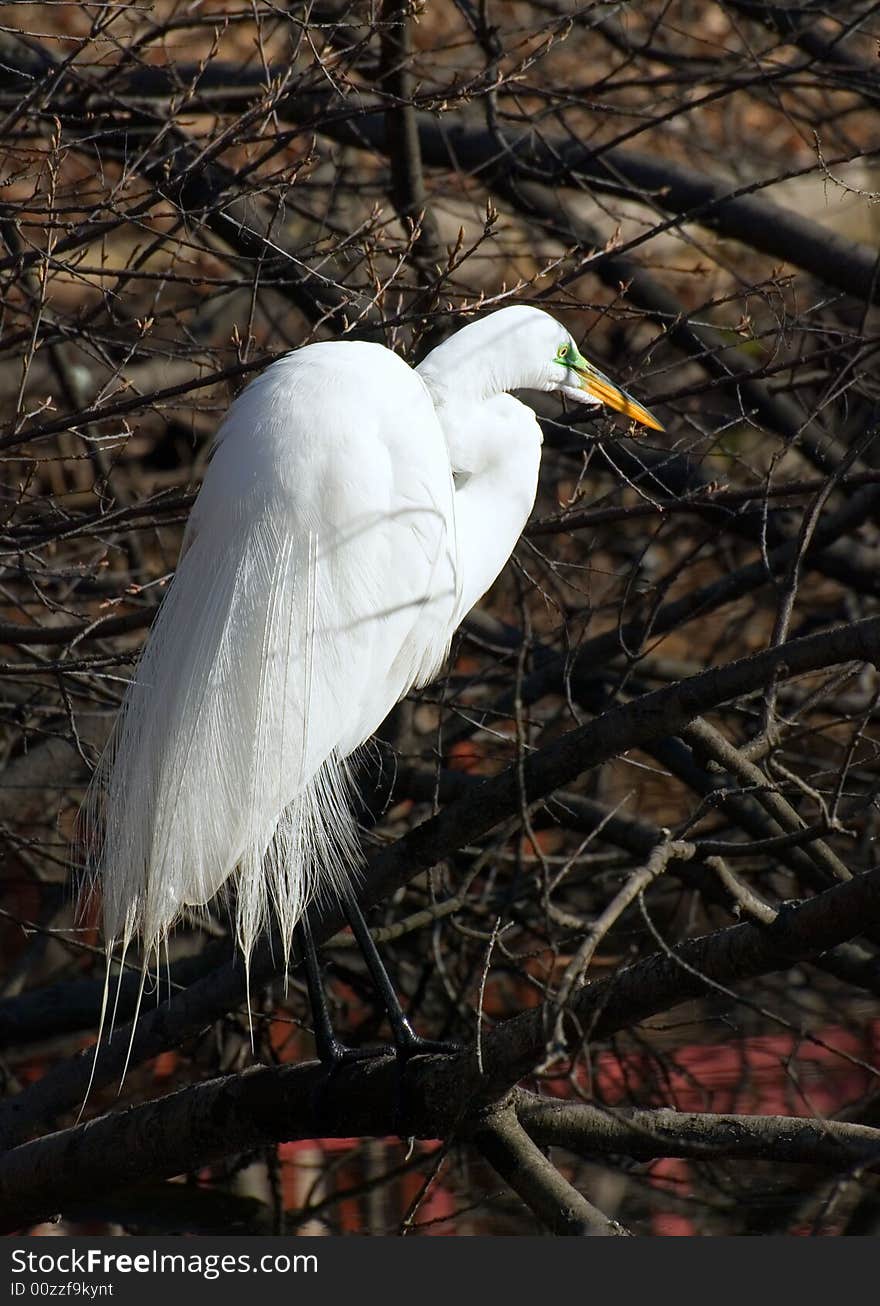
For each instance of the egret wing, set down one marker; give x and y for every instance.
(311, 594)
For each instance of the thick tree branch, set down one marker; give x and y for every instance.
(557, 1204)
(599, 1131)
(687, 971)
(402, 133)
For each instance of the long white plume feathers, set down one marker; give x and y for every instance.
(211, 767)
(316, 585)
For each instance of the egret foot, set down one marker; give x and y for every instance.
(332, 1053)
(407, 1043)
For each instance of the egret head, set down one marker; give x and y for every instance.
(556, 363)
(584, 383)
(521, 348)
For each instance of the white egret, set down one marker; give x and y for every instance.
(353, 511)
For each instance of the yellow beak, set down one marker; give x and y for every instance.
(600, 387)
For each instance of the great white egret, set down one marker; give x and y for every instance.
(353, 511)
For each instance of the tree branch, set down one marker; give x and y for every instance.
(741, 952)
(598, 1131)
(557, 1203)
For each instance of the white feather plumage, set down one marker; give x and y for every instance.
(316, 585)
(326, 564)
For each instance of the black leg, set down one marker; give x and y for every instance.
(331, 1051)
(407, 1043)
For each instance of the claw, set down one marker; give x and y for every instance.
(334, 1054)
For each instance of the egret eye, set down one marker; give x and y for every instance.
(564, 355)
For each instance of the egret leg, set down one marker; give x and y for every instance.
(407, 1043)
(331, 1052)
